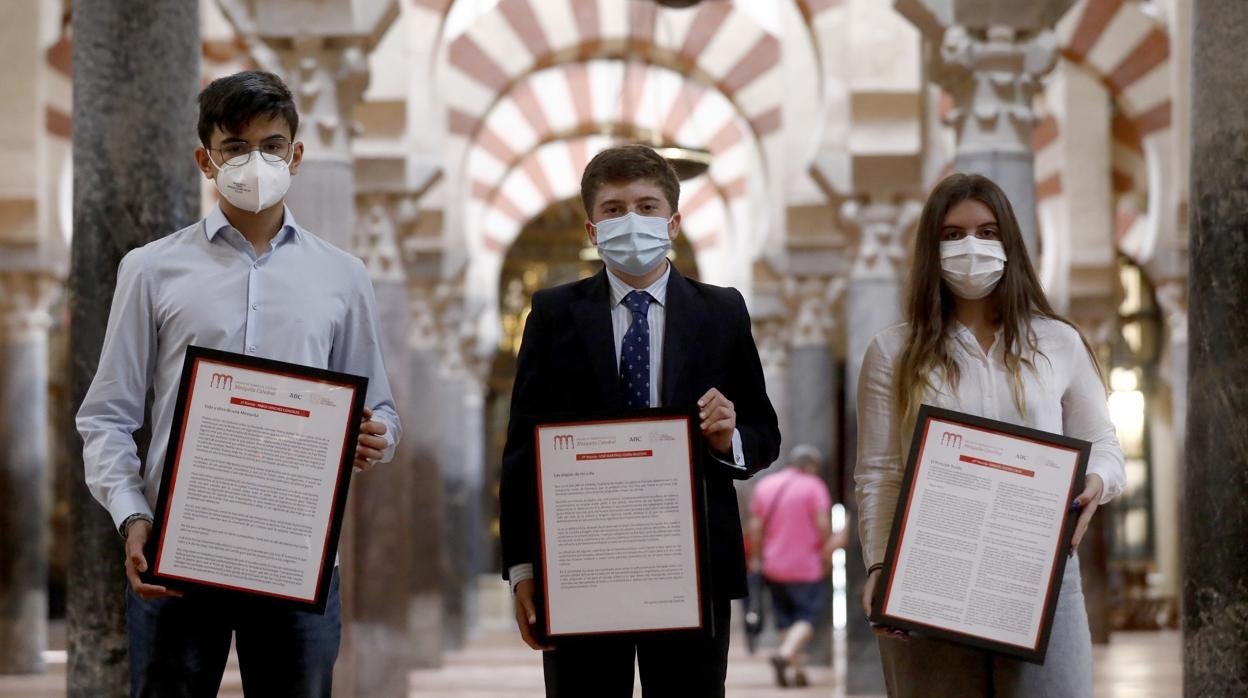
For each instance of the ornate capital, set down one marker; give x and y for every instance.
(455, 333)
(321, 50)
(376, 240)
(993, 76)
(26, 295)
(771, 335)
(815, 304)
(1172, 298)
(882, 228)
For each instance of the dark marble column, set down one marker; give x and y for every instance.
(461, 457)
(424, 436)
(814, 419)
(872, 304)
(1215, 516)
(24, 465)
(381, 559)
(136, 74)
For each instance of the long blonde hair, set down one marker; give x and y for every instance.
(1016, 300)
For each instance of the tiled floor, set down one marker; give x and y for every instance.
(1134, 665)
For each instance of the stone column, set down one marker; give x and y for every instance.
(25, 295)
(136, 74)
(381, 560)
(462, 459)
(873, 303)
(813, 384)
(420, 244)
(990, 57)
(1215, 518)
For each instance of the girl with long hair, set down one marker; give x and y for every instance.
(980, 338)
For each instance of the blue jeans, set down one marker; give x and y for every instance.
(179, 646)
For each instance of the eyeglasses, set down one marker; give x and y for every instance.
(239, 153)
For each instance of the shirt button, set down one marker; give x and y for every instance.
(252, 349)
(255, 306)
(256, 265)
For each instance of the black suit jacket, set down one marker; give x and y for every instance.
(567, 365)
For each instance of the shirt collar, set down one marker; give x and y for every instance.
(657, 290)
(216, 222)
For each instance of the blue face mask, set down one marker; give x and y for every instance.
(632, 243)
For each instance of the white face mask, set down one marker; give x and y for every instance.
(972, 267)
(632, 243)
(254, 185)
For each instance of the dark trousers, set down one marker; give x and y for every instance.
(679, 666)
(179, 646)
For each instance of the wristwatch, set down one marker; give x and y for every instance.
(124, 528)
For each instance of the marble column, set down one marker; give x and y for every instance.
(381, 561)
(1215, 507)
(420, 242)
(136, 74)
(814, 408)
(991, 57)
(873, 303)
(462, 459)
(426, 614)
(25, 295)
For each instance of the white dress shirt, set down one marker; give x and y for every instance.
(1066, 397)
(304, 301)
(621, 319)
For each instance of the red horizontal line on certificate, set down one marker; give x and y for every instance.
(997, 466)
(610, 455)
(244, 402)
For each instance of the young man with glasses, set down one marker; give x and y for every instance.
(250, 280)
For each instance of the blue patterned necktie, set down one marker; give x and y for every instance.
(635, 352)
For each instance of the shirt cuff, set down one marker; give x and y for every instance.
(519, 573)
(125, 503)
(738, 458)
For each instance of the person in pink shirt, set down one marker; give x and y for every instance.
(791, 543)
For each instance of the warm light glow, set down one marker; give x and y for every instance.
(839, 608)
(1126, 411)
(1123, 379)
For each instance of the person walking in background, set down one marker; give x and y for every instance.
(791, 542)
(980, 338)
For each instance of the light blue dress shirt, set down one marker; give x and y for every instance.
(304, 301)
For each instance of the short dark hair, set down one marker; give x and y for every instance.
(628, 163)
(233, 101)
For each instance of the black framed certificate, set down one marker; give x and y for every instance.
(620, 502)
(981, 532)
(256, 477)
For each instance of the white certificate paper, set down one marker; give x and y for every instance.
(980, 535)
(619, 526)
(255, 475)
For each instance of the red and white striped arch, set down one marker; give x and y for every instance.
(716, 43)
(513, 173)
(527, 85)
(1129, 52)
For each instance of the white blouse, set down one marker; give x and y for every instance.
(1064, 395)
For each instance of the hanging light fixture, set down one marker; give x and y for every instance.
(678, 4)
(688, 162)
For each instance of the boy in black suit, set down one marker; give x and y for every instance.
(689, 343)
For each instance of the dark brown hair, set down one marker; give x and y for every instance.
(628, 163)
(1017, 299)
(235, 100)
